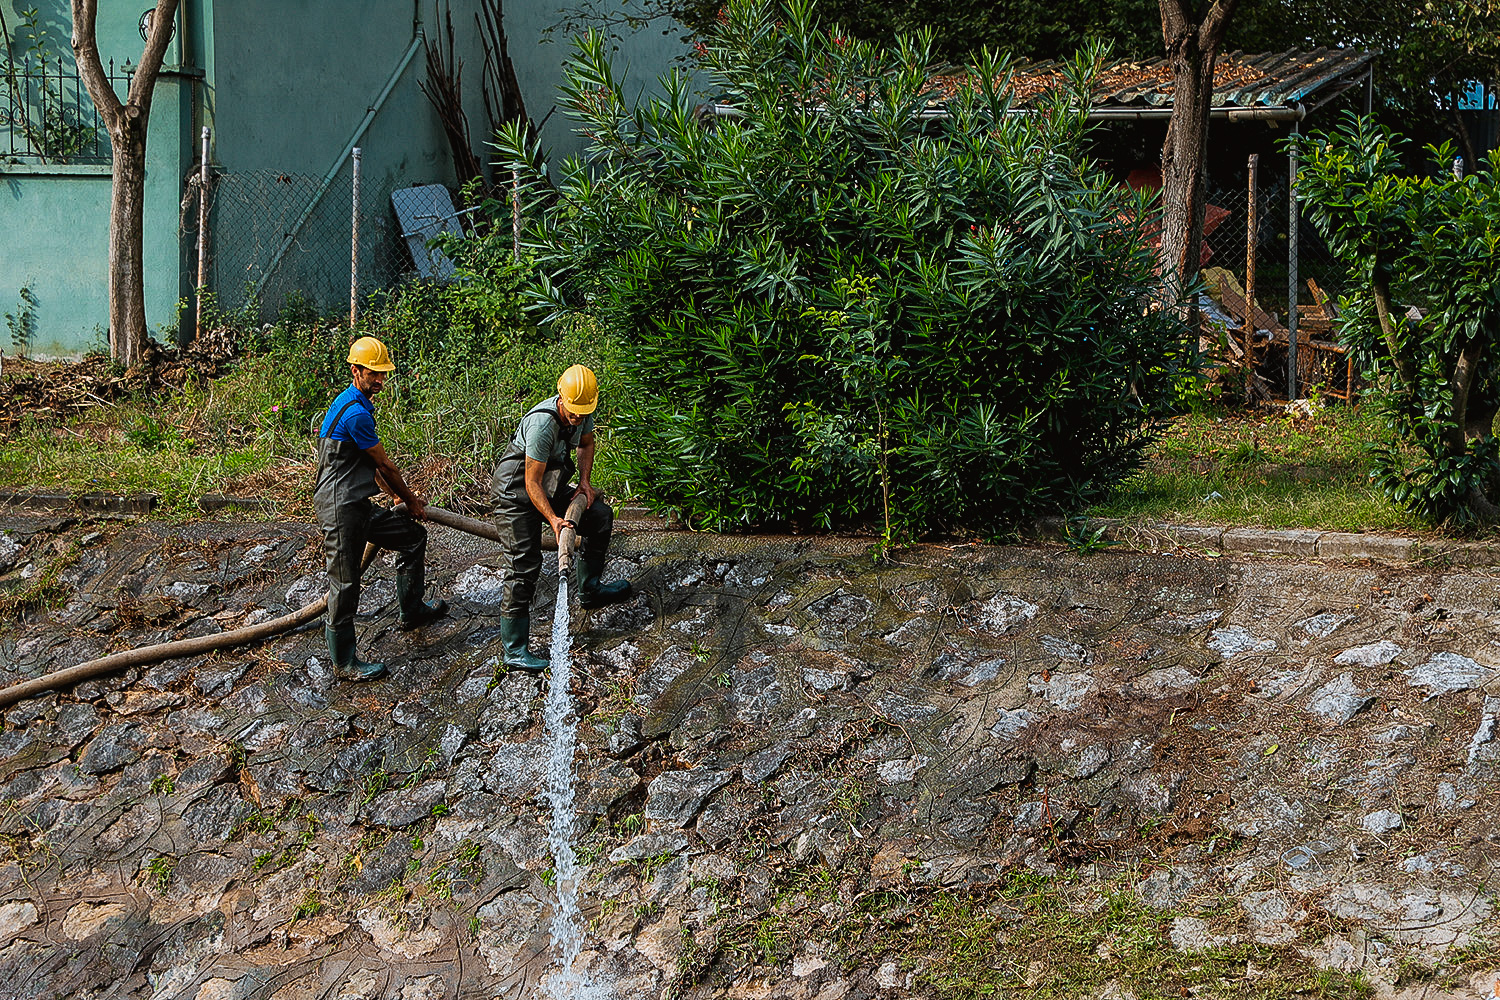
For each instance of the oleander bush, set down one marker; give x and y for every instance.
(1423, 316)
(845, 300)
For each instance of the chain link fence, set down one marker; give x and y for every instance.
(1275, 251)
(1288, 260)
(277, 236)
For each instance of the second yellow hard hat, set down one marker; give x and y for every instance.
(578, 389)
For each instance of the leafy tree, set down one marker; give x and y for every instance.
(126, 121)
(1034, 29)
(840, 306)
(1430, 49)
(1432, 241)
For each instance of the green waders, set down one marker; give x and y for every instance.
(341, 497)
(520, 526)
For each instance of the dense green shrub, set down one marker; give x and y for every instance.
(834, 303)
(1431, 242)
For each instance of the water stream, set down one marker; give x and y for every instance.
(562, 738)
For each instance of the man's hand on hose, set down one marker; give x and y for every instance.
(417, 507)
(589, 494)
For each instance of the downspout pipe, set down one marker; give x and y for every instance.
(418, 38)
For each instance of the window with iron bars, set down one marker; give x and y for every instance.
(47, 116)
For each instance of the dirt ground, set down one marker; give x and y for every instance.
(801, 773)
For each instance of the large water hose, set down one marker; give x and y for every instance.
(144, 655)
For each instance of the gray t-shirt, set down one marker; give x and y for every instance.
(548, 441)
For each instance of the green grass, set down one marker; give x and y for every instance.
(49, 459)
(247, 432)
(1267, 469)
(446, 422)
(1032, 936)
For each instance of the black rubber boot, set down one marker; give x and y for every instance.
(346, 665)
(414, 612)
(592, 593)
(514, 634)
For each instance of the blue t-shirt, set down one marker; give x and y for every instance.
(358, 422)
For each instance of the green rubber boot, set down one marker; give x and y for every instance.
(414, 611)
(592, 593)
(346, 665)
(514, 634)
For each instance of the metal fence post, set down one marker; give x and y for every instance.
(354, 250)
(1292, 277)
(202, 238)
(1252, 244)
(515, 214)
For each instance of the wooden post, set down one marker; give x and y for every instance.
(1252, 243)
(1292, 277)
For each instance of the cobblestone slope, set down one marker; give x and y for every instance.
(795, 765)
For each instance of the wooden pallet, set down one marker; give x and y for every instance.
(1256, 331)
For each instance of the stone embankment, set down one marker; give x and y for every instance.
(960, 771)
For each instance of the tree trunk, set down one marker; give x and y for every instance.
(126, 121)
(127, 288)
(1192, 45)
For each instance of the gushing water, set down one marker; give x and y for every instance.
(562, 738)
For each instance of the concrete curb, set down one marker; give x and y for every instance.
(213, 502)
(1303, 543)
(97, 503)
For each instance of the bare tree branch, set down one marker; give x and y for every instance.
(151, 57)
(86, 54)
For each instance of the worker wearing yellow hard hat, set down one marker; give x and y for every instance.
(531, 486)
(352, 467)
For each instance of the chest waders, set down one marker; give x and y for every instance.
(341, 497)
(520, 526)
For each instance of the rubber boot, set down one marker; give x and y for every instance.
(346, 665)
(514, 634)
(414, 612)
(592, 593)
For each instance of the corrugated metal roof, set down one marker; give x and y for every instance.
(1269, 80)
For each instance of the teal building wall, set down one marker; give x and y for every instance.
(54, 218)
(286, 87)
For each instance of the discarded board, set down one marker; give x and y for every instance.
(424, 212)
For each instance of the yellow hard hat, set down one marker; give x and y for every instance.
(579, 389)
(367, 352)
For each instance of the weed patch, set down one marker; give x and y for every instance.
(1263, 468)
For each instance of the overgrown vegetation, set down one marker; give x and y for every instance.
(841, 309)
(468, 366)
(1432, 242)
